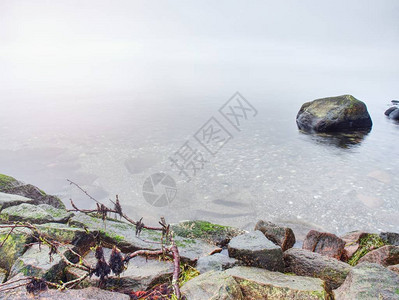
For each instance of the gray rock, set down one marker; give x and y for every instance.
(215, 285)
(36, 262)
(386, 256)
(254, 249)
(305, 263)
(216, 262)
(37, 214)
(123, 235)
(7, 200)
(369, 281)
(391, 238)
(10, 185)
(334, 114)
(141, 273)
(258, 283)
(279, 235)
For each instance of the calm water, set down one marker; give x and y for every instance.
(269, 170)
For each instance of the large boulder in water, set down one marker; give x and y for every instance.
(334, 114)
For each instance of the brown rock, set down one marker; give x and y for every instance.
(281, 236)
(386, 256)
(327, 244)
(352, 243)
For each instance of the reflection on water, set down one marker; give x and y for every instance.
(343, 140)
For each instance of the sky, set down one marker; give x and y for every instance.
(65, 49)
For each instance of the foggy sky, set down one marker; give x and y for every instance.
(59, 49)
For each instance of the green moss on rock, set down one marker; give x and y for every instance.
(367, 244)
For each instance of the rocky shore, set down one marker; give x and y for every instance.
(216, 262)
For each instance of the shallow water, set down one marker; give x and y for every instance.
(269, 170)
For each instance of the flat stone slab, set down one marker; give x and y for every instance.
(259, 283)
(215, 262)
(141, 273)
(254, 249)
(37, 214)
(305, 263)
(7, 200)
(123, 235)
(369, 281)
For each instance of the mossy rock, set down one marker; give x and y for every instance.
(212, 233)
(14, 246)
(37, 214)
(7, 182)
(11, 185)
(7, 200)
(123, 235)
(334, 114)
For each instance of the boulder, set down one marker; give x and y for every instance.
(37, 214)
(140, 274)
(254, 249)
(212, 233)
(305, 263)
(37, 262)
(334, 114)
(352, 243)
(216, 262)
(10, 185)
(369, 281)
(391, 238)
(123, 235)
(258, 283)
(324, 243)
(279, 235)
(386, 256)
(7, 200)
(215, 285)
